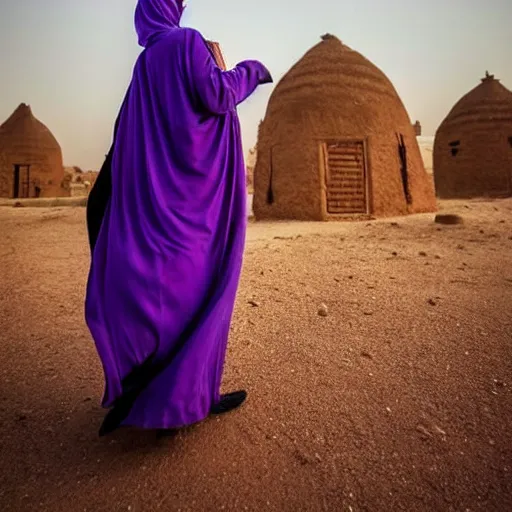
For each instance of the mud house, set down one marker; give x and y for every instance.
(473, 145)
(30, 158)
(336, 141)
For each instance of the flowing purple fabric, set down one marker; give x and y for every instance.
(167, 261)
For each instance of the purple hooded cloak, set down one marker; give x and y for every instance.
(167, 258)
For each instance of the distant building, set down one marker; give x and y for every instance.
(426, 145)
(77, 182)
(473, 145)
(417, 128)
(30, 158)
(249, 167)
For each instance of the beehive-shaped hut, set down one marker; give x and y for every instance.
(30, 158)
(337, 142)
(473, 145)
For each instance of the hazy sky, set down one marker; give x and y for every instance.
(71, 60)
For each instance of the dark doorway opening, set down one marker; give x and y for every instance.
(270, 190)
(21, 182)
(16, 187)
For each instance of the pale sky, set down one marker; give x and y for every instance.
(72, 60)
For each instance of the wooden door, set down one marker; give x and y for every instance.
(345, 175)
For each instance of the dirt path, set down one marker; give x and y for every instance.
(399, 399)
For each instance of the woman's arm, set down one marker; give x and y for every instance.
(221, 91)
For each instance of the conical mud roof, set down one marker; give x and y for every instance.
(331, 79)
(22, 128)
(488, 103)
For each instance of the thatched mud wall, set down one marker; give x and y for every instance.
(336, 140)
(24, 140)
(473, 145)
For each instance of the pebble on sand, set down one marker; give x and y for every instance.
(448, 219)
(323, 310)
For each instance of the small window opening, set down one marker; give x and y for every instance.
(402, 152)
(454, 145)
(510, 141)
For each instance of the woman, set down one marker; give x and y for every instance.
(167, 240)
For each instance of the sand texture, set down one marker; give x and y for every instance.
(377, 356)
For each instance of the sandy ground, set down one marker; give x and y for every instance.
(399, 399)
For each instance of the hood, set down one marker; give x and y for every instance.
(153, 17)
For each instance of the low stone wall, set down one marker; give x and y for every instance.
(79, 190)
(44, 202)
(52, 202)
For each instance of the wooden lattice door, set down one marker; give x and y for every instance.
(345, 175)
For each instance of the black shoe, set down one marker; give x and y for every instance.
(117, 414)
(165, 433)
(229, 402)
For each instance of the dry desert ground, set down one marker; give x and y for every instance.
(398, 398)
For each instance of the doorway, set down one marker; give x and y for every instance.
(21, 181)
(346, 177)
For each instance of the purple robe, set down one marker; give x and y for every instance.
(167, 259)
